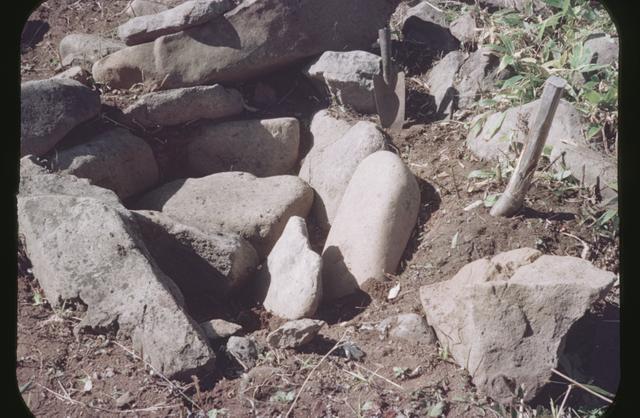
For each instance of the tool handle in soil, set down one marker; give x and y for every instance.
(384, 39)
(512, 199)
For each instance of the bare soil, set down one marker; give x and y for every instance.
(394, 377)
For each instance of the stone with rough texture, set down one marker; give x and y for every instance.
(243, 350)
(408, 327)
(602, 48)
(254, 38)
(347, 77)
(492, 138)
(88, 249)
(49, 109)
(294, 334)
(325, 129)
(292, 275)
(84, 49)
(188, 14)
(441, 80)
(115, 159)
(177, 106)
(203, 265)
(76, 73)
(150, 7)
(425, 25)
(234, 202)
(478, 73)
(378, 212)
(330, 170)
(38, 180)
(464, 28)
(263, 148)
(505, 319)
(218, 329)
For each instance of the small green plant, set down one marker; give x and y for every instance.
(283, 397)
(400, 372)
(215, 413)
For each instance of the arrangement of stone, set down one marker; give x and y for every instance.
(152, 269)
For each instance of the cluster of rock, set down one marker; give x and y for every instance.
(240, 220)
(152, 269)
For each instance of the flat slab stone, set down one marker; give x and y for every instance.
(255, 208)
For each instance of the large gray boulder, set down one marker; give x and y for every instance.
(234, 202)
(254, 38)
(85, 49)
(177, 106)
(50, 109)
(202, 265)
(347, 77)
(292, 275)
(115, 159)
(602, 49)
(463, 28)
(491, 137)
(87, 249)
(188, 14)
(329, 170)
(264, 148)
(506, 319)
(374, 221)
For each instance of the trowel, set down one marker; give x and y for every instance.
(389, 87)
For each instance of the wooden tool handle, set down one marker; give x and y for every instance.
(513, 197)
(384, 39)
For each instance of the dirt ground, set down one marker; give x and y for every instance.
(63, 374)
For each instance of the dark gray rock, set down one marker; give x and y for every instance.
(441, 80)
(428, 27)
(217, 329)
(49, 109)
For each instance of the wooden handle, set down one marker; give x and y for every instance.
(384, 39)
(512, 199)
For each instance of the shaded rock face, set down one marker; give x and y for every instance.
(255, 208)
(261, 147)
(294, 334)
(603, 49)
(177, 106)
(84, 49)
(464, 28)
(206, 267)
(492, 139)
(116, 160)
(188, 14)
(253, 38)
(441, 80)
(50, 109)
(76, 73)
(364, 245)
(505, 319)
(86, 248)
(329, 171)
(293, 274)
(427, 26)
(347, 77)
(478, 73)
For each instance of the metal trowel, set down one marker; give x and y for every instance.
(389, 88)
